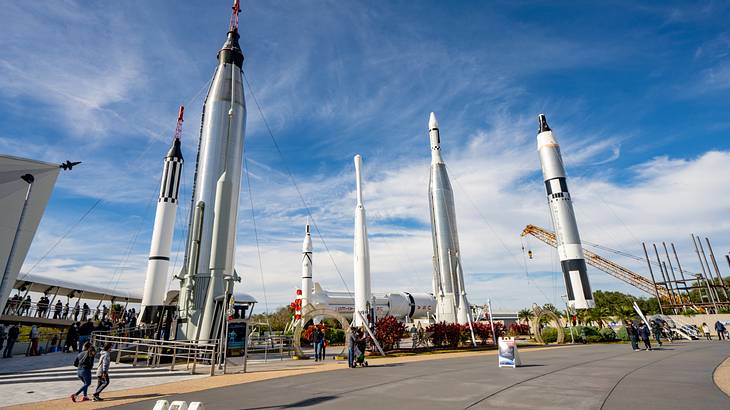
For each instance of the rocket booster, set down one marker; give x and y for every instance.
(448, 277)
(570, 249)
(155, 285)
(306, 268)
(212, 237)
(361, 252)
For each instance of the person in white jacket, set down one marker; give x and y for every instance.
(102, 371)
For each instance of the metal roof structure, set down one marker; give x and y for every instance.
(43, 284)
(25, 187)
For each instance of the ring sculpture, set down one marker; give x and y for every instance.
(553, 319)
(309, 313)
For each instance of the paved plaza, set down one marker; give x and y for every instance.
(679, 376)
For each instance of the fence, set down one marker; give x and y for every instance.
(157, 353)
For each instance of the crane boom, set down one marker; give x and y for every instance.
(599, 262)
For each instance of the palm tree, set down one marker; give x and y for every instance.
(526, 315)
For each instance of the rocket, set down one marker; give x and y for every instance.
(306, 268)
(361, 253)
(448, 276)
(209, 256)
(155, 284)
(570, 249)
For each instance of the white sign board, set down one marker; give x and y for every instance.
(508, 356)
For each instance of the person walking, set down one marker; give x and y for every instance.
(13, 334)
(317, 340)
(84, 362)
(72, 338)
(720, 328)
(633, 335)
(656, 329)
(706, 331)
(35, 336)
(102, 371)
(644, 333)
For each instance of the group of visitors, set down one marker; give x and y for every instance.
(320, 344)
(719, 328)
(642, 332)
(18, 306)
(356, 346)
(84, 362)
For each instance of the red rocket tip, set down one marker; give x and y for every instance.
(234, 15)
(180, 114)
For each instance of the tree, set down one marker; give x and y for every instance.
(278, 319)
(525, 315)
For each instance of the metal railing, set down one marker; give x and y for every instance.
(159, 353)
(268, 344)
(46, 311)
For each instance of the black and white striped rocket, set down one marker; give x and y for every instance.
(448, 276)
(569, 247)
(307, 268)
(155, 285)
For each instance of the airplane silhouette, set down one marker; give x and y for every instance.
(68, 165)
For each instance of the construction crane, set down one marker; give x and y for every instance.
(597, 261)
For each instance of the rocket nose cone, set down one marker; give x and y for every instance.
(432, 123)
(543, 125)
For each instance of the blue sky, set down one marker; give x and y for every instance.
(637, 96)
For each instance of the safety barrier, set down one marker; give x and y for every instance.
(157, 353)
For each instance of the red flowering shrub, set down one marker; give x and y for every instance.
(516, 329)
(438, 333)
(308, 332)
(389, 332)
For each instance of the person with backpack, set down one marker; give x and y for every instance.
(102, 371)
(84, 362)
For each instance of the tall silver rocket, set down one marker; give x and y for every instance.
(361, 252)
(448, 276)
(155, 284)
(212, 234)
(570, 249)
(306, 268)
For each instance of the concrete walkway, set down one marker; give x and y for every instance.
(40, 378)
(680, 376)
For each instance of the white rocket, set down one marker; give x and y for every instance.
(212, 234)
(361, 252)
(570, 249)
(155, 284)
(448, 277)
(306, 268)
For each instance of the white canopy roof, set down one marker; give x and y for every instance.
(38, 283)
(13, 192)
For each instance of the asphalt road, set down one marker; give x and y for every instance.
(679, 376)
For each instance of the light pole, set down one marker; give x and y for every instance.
(570, 322)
